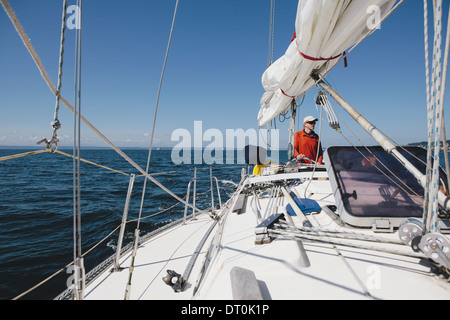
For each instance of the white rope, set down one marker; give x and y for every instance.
(432, 224)
(330, 240)
(444, 83)
(434, 107)
(427, 80)
(44, 74)
(28, 45)
(56, 124)
(331, 115)
(61, 59)
(349, 235)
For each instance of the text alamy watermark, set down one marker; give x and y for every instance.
(213, 146)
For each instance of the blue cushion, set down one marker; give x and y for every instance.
(306, 205)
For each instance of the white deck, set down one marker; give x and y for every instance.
(335, 272)
(170, 250)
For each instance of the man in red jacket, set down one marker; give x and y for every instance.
(306, 142)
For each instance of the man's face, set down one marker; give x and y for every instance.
(310, 125)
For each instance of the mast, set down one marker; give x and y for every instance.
(384, 142)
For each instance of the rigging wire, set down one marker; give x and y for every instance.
(157, 104)
(107, 236)
(31, 50)
(136, 236)
(317, 152)
(400, 182)
(271, 32)
(77, 255)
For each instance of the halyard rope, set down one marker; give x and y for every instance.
(55, 123)
(61, 60)
(435, 97)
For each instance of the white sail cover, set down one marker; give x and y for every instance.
(324, 30)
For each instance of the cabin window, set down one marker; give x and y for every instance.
(366, 189)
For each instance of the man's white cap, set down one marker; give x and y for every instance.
(309, 119)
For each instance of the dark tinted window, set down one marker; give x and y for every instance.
(369, 188)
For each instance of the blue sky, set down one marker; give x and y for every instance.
(218, 54)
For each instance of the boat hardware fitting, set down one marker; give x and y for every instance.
(169, 280)
(261, 230)
(409, 229)
(436, 247)
(53, 141)
(382, 226)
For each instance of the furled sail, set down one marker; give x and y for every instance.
(324, 29)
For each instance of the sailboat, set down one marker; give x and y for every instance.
(369, 223)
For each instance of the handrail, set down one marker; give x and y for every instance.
(124, 222)
(211, 177)
(187, 200)
(218, 193)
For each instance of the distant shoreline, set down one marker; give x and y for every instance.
(422, 144)
(101, 148)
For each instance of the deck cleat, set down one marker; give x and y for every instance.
(174, 280)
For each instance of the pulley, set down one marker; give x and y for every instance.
(320, 100)
(409, 229)
(436, 247)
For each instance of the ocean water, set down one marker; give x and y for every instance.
(36, 209)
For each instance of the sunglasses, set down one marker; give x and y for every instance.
(311, 122)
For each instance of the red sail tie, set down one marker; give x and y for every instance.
(317, 59)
